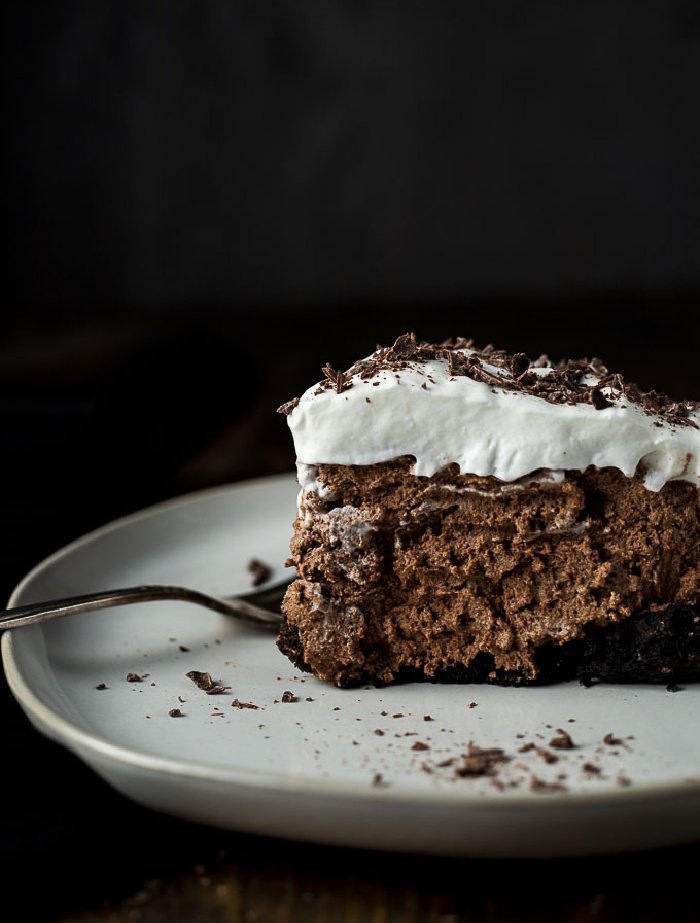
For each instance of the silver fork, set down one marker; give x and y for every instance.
(261, 607)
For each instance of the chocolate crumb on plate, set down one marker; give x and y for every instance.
(203, 681)
(238, 704)
(133, 678)
(289, 697)
(539, 785)
(185, 650)
(674, 687)
(175, 713)
(481, 761)
(591, 769)
(101, 686)
(562, 741)
(613, 741)
(259, 571)
(419, 746)
(473, 705)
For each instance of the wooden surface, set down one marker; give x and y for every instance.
(197, 395)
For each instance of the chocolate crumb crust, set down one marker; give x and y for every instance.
(569, 381)
(648, 647)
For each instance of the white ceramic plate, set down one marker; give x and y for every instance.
(309, 769)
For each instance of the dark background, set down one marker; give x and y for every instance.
(208, 200)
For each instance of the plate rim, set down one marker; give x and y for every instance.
(61, 730)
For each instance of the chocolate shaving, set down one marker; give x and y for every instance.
(287, 408)
(598, 399)
(336, 379)
(571, 381)
(405, 346)
(519, 364)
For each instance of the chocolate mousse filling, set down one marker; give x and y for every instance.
(458, 578)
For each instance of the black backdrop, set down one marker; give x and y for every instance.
(207, 201)
(172, 153)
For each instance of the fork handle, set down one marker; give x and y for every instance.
(57, 608)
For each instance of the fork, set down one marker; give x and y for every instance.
(261, 607)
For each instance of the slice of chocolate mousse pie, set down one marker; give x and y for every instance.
(467, 515)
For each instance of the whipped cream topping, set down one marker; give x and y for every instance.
(425, 410)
